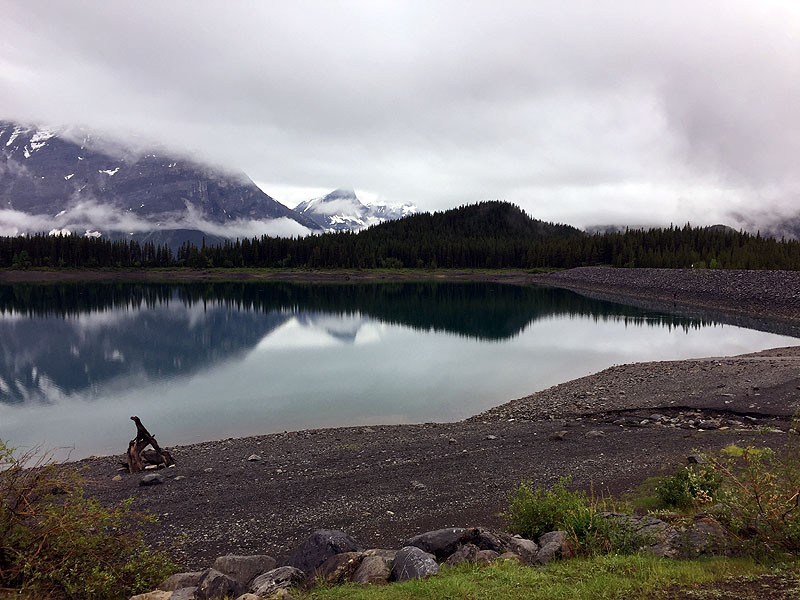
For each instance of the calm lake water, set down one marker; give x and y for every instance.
(210, 361)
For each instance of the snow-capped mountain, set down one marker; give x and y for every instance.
(341, 210)
(69, 180)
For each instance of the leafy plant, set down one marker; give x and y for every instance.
(763, 493)
(55, 543)
(534, 511)
(690, 487)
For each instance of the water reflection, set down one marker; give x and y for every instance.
(212, 360)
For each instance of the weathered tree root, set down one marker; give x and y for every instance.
(137, 455)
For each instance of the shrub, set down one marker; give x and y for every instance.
(690, 487)
(55, 543)
(534, 511)
(762, 493)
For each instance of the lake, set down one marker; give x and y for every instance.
(215, 360)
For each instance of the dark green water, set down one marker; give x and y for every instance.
(204, 361)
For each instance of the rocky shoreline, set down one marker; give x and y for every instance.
(610, 431)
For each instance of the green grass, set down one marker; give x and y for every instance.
(603, 577)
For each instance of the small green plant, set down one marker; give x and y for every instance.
(534, 511)
(55, 543)
(691, 487)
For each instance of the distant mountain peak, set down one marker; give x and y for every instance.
(341, 210)
(70, 179)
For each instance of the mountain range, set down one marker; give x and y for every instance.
(70, 180)
(341, 210)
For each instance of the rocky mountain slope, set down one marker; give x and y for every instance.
(70, 180)
(341, 210)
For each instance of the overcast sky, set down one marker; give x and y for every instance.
(583, 112)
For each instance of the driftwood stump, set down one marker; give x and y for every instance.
(138, 455)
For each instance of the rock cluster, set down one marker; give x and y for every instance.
(334, 557)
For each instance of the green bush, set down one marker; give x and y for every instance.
(55, 543)
(534, 511)
(762, 494)
(690, 487)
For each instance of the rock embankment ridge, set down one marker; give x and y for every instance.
(333, 557)
(771, 295)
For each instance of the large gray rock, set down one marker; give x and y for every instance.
(550, 537)
(552, 545)
(216, 585)
(180, 580)
(281, 578)
(390, 554)
(706, 537)
(486, 539)
(441, 542)
(374, 569)
(486, 557)
(244, 568)
(339, 568)
(151, 479)
(548, 553)
(319, 547)
(465, 553)
(413, 563)
(184, 593)
(525, 549)
(154, 595)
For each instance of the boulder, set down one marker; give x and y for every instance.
(339, 568)
(152, 479)
(244, 568)
(215, 585)
(525, 549)
(374, 569)
(558, 536)
(319, 547)
(706, 537)
(510, 556)
(184, 593)
(179, 580)
(552, 545)
(486, 539)
(154, 595)
(281, 578)
(413, 563)
(390, 554)
(466, 553)
(441, 542)
(548, 552)
(486, 557)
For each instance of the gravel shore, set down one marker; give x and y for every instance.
(384, 484)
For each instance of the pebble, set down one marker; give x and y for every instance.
(116, 478)
(254, 457)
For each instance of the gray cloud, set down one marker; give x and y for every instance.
(579, 111)
(85, 215)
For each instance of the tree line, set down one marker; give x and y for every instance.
(486, 235)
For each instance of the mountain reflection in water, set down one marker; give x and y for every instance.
(221, 357)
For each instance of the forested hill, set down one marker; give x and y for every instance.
(493, 219)
(490, 235)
